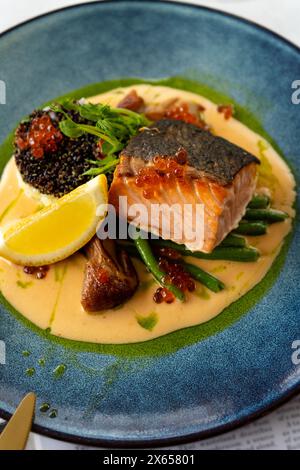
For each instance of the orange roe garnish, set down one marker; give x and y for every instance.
(42, 137)
(162, 294)
(181, 156)
(149, 177)
(39, 272)
(168, 253)
(182, 113)
(177, 275)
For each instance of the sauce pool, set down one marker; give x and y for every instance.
(141, 319)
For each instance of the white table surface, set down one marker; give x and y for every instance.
(280, 16)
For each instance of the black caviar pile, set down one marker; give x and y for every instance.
(56, 173)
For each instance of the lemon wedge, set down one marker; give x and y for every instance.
(58, 230)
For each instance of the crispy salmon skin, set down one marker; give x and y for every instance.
(173, 162)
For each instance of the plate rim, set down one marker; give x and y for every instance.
(187, 4)
(200, 435)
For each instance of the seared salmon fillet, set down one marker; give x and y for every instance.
(176, 163)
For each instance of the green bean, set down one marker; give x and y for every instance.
(259, 202)
(219, 253)
(251, 228)
(268, 215)
(196, 273)
(209, 281)
(234, 240)
(144, 249)
(229, 254)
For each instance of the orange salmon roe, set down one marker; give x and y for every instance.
(151, 176)
(182, 113)
(162, 294)
(177, 275)
(42, 137)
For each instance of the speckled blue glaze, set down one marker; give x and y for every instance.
(226, 379)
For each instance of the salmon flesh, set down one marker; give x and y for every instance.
(176, 163)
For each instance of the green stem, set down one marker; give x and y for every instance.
(98, 170)
(219, 253)
(209, 281)
(93, 130)
(132, 114)
(196, 273)
(150, 261)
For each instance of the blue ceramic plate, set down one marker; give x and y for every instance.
(196, 382)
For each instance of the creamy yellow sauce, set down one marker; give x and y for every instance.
(55, 301)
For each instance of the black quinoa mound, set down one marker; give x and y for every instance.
(60, 172)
